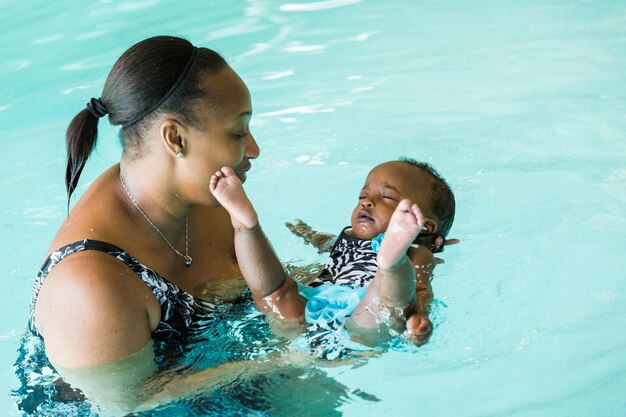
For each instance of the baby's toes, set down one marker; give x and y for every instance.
(404, 205)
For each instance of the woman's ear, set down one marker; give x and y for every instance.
(171, 135)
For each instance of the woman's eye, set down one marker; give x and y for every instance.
(388, 197)
(241, 135)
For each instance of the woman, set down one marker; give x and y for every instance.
(147, 238)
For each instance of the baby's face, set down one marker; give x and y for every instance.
(385, 186)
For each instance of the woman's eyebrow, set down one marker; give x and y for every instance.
(245, 113)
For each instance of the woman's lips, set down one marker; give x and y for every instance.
(242, 173)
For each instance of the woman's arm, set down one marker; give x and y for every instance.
(96, 318)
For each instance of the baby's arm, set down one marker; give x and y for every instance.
(273, 291)
(424, 263)
(418, 325)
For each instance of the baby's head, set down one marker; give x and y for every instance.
(390, 182)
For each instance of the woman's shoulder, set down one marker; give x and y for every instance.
(98, 303)
(97, 215)
(93, 283)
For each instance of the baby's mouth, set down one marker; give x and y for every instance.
(364, 216)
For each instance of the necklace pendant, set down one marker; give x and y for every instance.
(188, 261)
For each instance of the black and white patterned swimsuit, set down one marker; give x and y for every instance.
(352, 262)
(185, 322)
(177, 306)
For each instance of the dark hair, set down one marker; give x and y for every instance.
(442, 202)
(140, 78)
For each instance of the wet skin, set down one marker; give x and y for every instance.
(92, 308)
(385, 186)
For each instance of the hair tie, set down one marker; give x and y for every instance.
(97, 108)
(169, 92)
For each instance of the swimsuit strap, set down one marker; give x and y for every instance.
(176, 304)
(63, 252)
(339, 237)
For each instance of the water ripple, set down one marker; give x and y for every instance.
(124, 7)
(84, 64)
(18, 65)
(90, 35)
(47, 39)
(361, 89)
(297, 47)
(315, 6)
(357, 38)
(72, 89)
(297, 110)
(256, 49)
(277, 74)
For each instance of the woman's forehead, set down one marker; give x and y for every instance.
(228, 94)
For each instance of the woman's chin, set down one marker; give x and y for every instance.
(242, 176)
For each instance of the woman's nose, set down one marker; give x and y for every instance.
(366, 203)
(252, 148)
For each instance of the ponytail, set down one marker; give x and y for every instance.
(80, 140)
(162, 74)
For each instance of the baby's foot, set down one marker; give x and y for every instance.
(405, 224)
(227, 189)
(418, 328)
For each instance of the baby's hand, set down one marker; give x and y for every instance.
(228, 191)
(321, 241)
(418, 329)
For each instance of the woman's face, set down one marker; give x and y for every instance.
(222, 137)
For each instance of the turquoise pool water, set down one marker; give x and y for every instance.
(519, 104)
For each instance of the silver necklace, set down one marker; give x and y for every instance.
(186, 257)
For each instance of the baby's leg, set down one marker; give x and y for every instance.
(273, 291)
(228, 191)
(393, 291)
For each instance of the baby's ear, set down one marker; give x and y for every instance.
(431, 225)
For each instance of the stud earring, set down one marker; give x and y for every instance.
(180, 155)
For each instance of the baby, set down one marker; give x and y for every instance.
(385, 258)
(353, 260)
